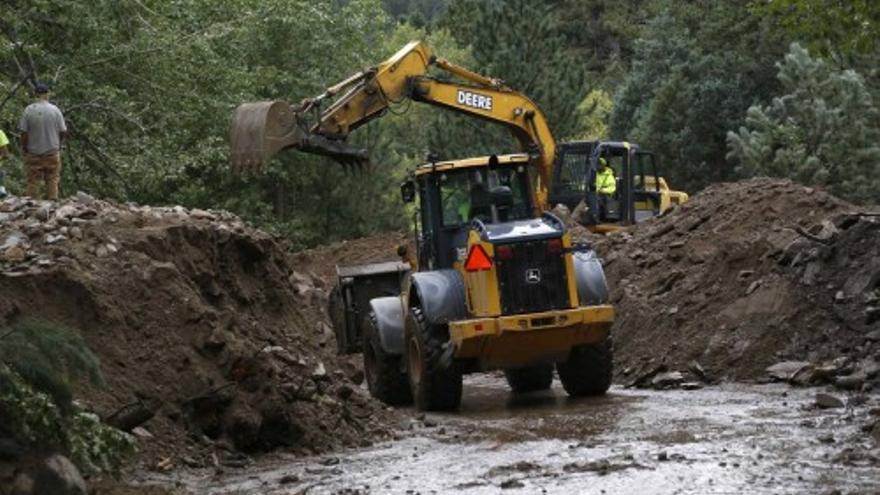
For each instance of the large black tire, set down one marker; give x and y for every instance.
(588, 369)
(383, 372)
(530, 378)
(434, 387)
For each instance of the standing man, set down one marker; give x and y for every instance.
(4, 153)
(42, 133)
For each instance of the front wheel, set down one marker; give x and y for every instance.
(530, 378)
(588, 370)
(434, 387)
(383, 372)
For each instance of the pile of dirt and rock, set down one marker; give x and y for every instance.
(212, 340)
(748, 276)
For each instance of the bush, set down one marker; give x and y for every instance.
(38, 363)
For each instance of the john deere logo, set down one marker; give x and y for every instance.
(533, 276)
(475, 100)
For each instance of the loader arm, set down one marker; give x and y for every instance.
(261, 130)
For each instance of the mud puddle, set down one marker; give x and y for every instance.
(726, 439)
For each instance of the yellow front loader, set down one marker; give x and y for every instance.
(495, 282)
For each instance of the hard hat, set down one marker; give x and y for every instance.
(602, 161)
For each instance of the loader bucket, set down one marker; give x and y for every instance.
(260, 130)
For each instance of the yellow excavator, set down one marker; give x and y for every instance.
(496, 282)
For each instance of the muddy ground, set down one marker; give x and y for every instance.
(222, 333)
(733, 438)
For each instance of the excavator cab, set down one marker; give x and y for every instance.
(640, 192)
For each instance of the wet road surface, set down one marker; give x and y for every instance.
(727, 439)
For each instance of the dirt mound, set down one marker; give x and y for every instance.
(195, 316)
(745, 275)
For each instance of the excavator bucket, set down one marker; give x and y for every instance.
(260, 130)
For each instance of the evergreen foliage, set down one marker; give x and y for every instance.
(50, 357)
(39, 362)
(519, 41)
(697, 68)
(823, 130)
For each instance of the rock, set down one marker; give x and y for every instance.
(828, 401)
(141, 432)
(644, 378)
(697, 369)
(873, 336)
(663, 456)
(787, 370)
(850, 382)
(745, 274)
(581, 213)
(839, 296)
(58, 476)
(53, 239)
(319, 372)
(23, 484)
(42, 213)
(691, 386)
(512, 483)
(288, 479)
(826, 438)
(202, 214)
(66, 212)
(13, 254)
(669, 379)
(753, 287)
(84, 198)
(307, 390)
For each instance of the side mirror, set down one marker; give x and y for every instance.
(408, 191)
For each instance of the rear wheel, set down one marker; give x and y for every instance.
(383, 372)
(588, 369)
(434, 387)
(530, 378)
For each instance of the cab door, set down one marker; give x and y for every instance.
(570, 173)
(645, 187)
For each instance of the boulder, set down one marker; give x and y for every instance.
(828, 401)
(58, 476)
(787, 370)
(667, 380)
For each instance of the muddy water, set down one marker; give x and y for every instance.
(726, 439)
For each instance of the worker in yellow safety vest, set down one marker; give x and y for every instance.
(606, 183)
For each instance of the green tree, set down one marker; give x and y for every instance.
(696, 69)
(519, 42)
(824, 129)
(842, 27)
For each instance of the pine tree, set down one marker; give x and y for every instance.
(823, 130)
(519, 42)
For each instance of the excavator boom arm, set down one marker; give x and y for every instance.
(260, 130)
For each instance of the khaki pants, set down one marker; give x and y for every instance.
(45, 169)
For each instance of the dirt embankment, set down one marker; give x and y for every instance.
(196, 317)
(744, 276)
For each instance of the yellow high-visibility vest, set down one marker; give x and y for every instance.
(605, 181)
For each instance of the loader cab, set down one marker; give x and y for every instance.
(452, 194)
(637, 196)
